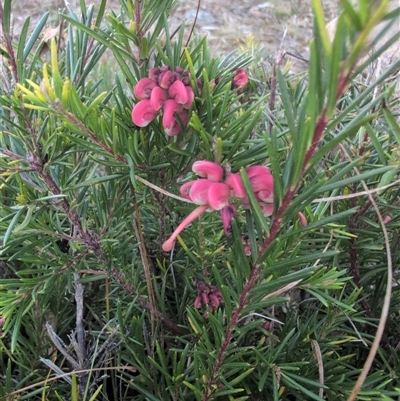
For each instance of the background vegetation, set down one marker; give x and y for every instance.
(92, 308)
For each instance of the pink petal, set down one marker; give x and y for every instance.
(267, 209)
(240, 79)
(227, 214)
(177, 91)
(257, 170)
(190, 96)
(184, 189)
(235, 182)
(143, 88)
(158, 97)
(175, 128)
(210, 170)
(170, 107)
(169, 244)
(387, 219)
(266, 196)
(218, 195)
(198, 192)
(198, 302)
(143, 113)
(263, 183)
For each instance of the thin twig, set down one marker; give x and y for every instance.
(320, 363)
(61, 346)
(146, 266)
(194, 23)
(79, 290)
(356, 194)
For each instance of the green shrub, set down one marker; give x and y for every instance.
(283, 279)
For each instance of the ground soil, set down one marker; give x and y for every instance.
(273, 24)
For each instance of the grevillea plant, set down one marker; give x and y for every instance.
(180, 226)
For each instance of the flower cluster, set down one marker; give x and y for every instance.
(207, 295)
(240, 79)
(165, 90)
(211, 192)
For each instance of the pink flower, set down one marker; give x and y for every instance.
(262, 183)
(143, 114)
(211, 193)
(154, 73)
(387, 219)
(206, 192)
(240, 79)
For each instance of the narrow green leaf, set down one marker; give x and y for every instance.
(6, 22)
(12, 225)
(321, 25)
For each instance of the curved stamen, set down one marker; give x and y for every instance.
(169, 243)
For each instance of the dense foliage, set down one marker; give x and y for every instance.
(280, 283)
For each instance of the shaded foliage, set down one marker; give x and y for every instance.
(92, 308)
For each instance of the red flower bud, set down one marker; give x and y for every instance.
(197, 302)
(302, 219)
(154, 73)
(214, 301)
(227, 214)
(205, 298)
